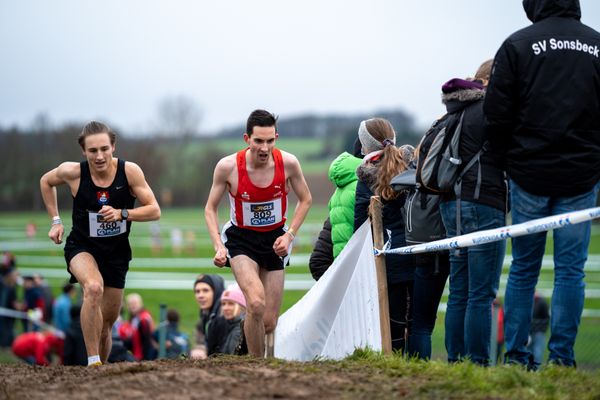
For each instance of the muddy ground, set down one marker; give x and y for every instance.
(219, 378)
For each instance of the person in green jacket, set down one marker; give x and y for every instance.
(342, 173)
(339, 225)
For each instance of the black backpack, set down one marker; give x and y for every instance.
(439, 166)
(421, 213)
(439, 162)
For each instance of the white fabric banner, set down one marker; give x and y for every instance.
(340, 312)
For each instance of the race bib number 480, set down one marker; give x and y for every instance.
(99, 228)
(262, 214)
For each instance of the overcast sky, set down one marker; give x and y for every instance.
(115, 60)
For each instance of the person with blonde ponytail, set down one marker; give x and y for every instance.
(383, 161)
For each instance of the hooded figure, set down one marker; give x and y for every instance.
(537, 10)
(542, 108)
(342, 173)
(208, 290)
(543, 101)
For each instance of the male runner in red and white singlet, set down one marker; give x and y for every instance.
(256, 243)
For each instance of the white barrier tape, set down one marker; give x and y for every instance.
(35, 316)
(7, 312)
(493, 235)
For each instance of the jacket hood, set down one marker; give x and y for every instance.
(464, 96)
(342, 170)
(461, 98)
(538, 10)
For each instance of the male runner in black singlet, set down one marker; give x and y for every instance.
(97, 251)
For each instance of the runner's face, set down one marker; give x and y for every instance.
(98, 151)
(261, 143)
(230, 309)
(204, 295)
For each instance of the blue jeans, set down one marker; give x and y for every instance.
(570, 253)
(537, 345)
(428, 289)
(474, 279)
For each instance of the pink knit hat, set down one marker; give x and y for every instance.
(234, 293)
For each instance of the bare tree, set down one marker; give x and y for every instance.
(179, 116)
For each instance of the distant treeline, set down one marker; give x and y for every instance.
(331, 127)
(179, 169)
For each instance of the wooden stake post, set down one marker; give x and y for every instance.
(375, 210)
(270, 345)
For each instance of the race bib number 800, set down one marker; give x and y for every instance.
(262, 214)
(99, 228)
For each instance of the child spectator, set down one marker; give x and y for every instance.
(177, 342)
(228, 324)
(61, 309)
(37, 347)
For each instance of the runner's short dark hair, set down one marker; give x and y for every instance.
(93, 128)
(261, 118)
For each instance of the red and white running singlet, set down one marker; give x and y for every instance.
(256, 208)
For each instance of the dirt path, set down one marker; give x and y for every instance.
(222, 378)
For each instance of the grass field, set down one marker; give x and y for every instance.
(198, 250)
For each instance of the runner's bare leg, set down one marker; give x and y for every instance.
(111, 305)
(273, 284)
(247, 276)
(83, 266)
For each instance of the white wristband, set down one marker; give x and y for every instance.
(56, 220)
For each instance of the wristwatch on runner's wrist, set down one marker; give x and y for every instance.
(124, 214)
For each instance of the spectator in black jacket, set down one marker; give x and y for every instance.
(474, 271)
(543, 109)
(382, 162)
(321, 257)
(208, 289)
(8, 300)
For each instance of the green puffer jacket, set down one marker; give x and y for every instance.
(342, 173)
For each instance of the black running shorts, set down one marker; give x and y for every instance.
(113, 271)
(258, 246)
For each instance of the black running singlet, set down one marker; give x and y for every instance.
(108, 239)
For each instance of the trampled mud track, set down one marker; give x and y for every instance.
(218, 378)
